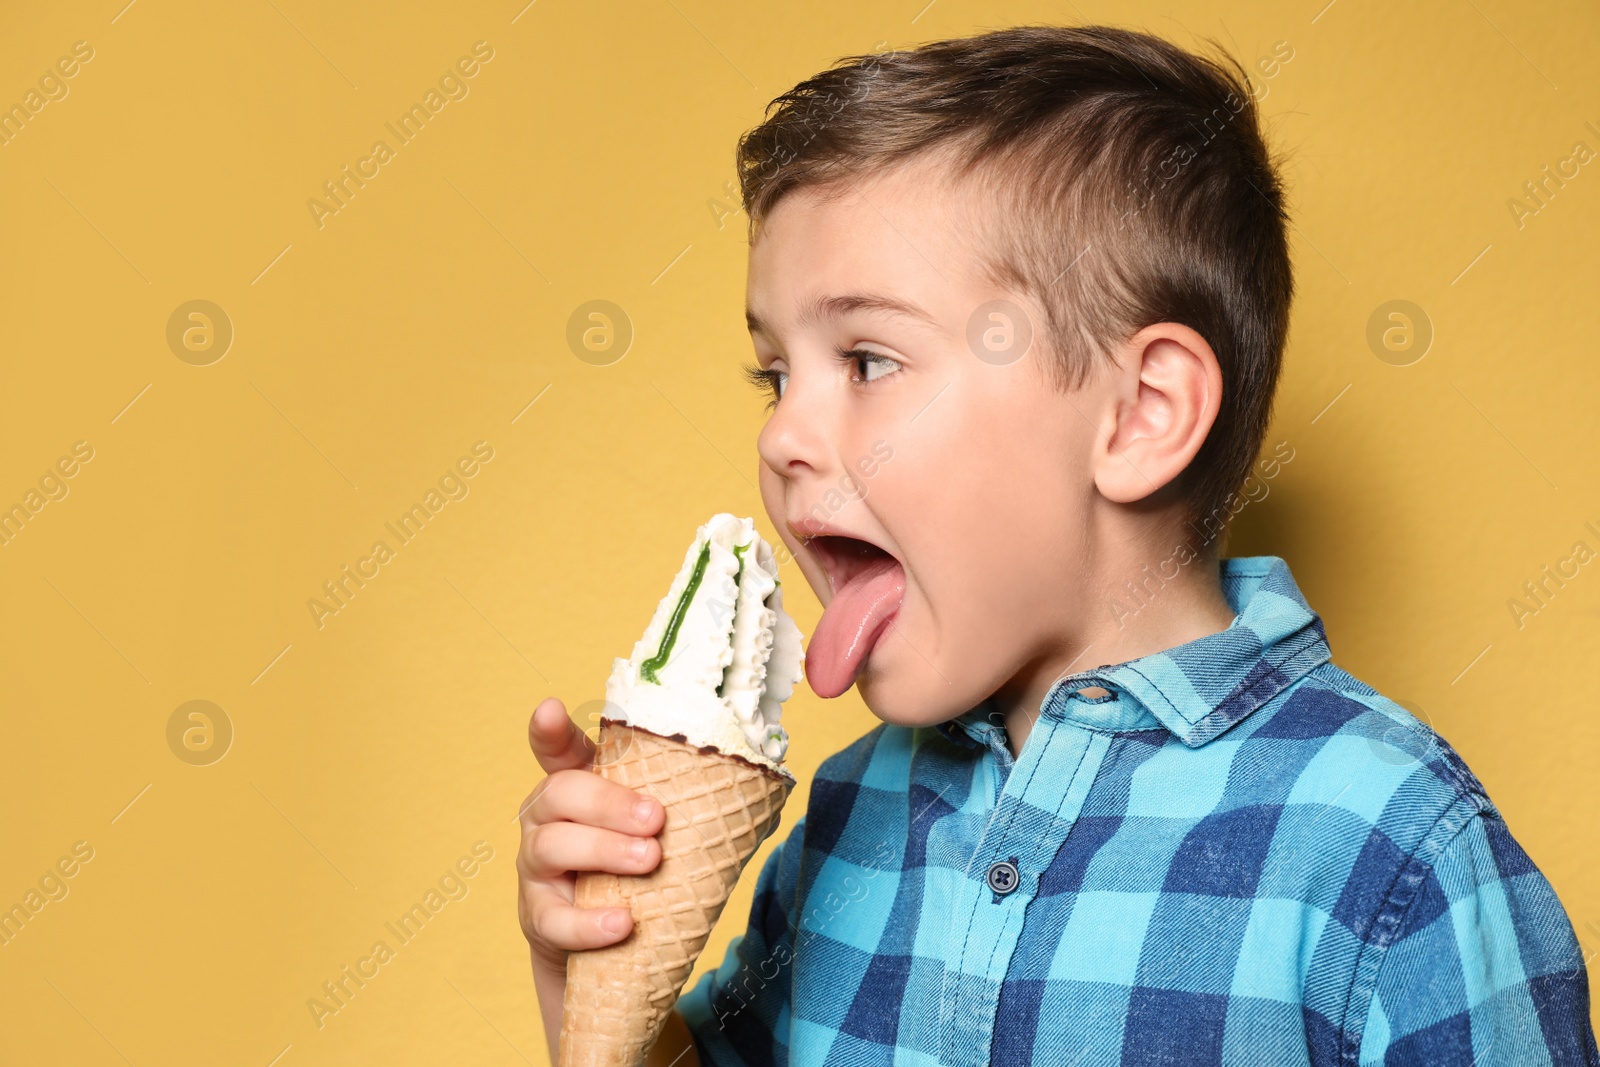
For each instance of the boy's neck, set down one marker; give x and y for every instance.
(1184, 609)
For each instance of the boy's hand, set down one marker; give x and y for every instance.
(574, 820)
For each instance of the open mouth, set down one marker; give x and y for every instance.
(868, 584)
(844, 558)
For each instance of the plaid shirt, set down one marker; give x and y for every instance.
(1241, 855)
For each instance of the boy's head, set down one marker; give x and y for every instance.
(1084, 233)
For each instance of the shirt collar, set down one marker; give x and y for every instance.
(1199, 689)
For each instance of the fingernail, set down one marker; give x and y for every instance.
(637, 848)
(642, 810)
(618, 922)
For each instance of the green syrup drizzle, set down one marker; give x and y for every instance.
(647, 669)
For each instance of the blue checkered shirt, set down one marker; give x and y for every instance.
(1240, 855)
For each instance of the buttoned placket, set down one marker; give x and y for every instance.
(1059, 762)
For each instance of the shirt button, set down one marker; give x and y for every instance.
(1003, 877)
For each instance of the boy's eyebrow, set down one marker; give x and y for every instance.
(833, 307)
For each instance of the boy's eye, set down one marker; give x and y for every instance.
(766, 380)
(874, 365)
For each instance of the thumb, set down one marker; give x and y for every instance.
(556, 740)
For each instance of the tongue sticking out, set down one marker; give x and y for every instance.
(852, 623)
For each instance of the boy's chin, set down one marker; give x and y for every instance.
(900, 701)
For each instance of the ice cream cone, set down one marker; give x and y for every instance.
(719, 808)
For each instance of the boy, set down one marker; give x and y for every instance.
(1021, 300)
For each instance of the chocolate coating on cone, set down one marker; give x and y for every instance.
(719, 808)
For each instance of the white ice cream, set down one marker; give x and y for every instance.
(721, 655)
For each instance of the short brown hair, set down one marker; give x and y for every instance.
(1131, 184)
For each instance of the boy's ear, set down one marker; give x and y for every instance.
(1165, 392)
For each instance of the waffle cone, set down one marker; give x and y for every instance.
(719, 809)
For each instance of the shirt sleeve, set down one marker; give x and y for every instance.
(738, 1014)
(1485, 969)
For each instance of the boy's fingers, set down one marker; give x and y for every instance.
(560, 847)
(549, 921)
(582, 796)
(556, 741)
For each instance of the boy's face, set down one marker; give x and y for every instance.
(971, 471)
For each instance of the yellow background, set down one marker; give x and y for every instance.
(592, 160)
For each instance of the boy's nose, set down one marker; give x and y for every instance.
(796, 441)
